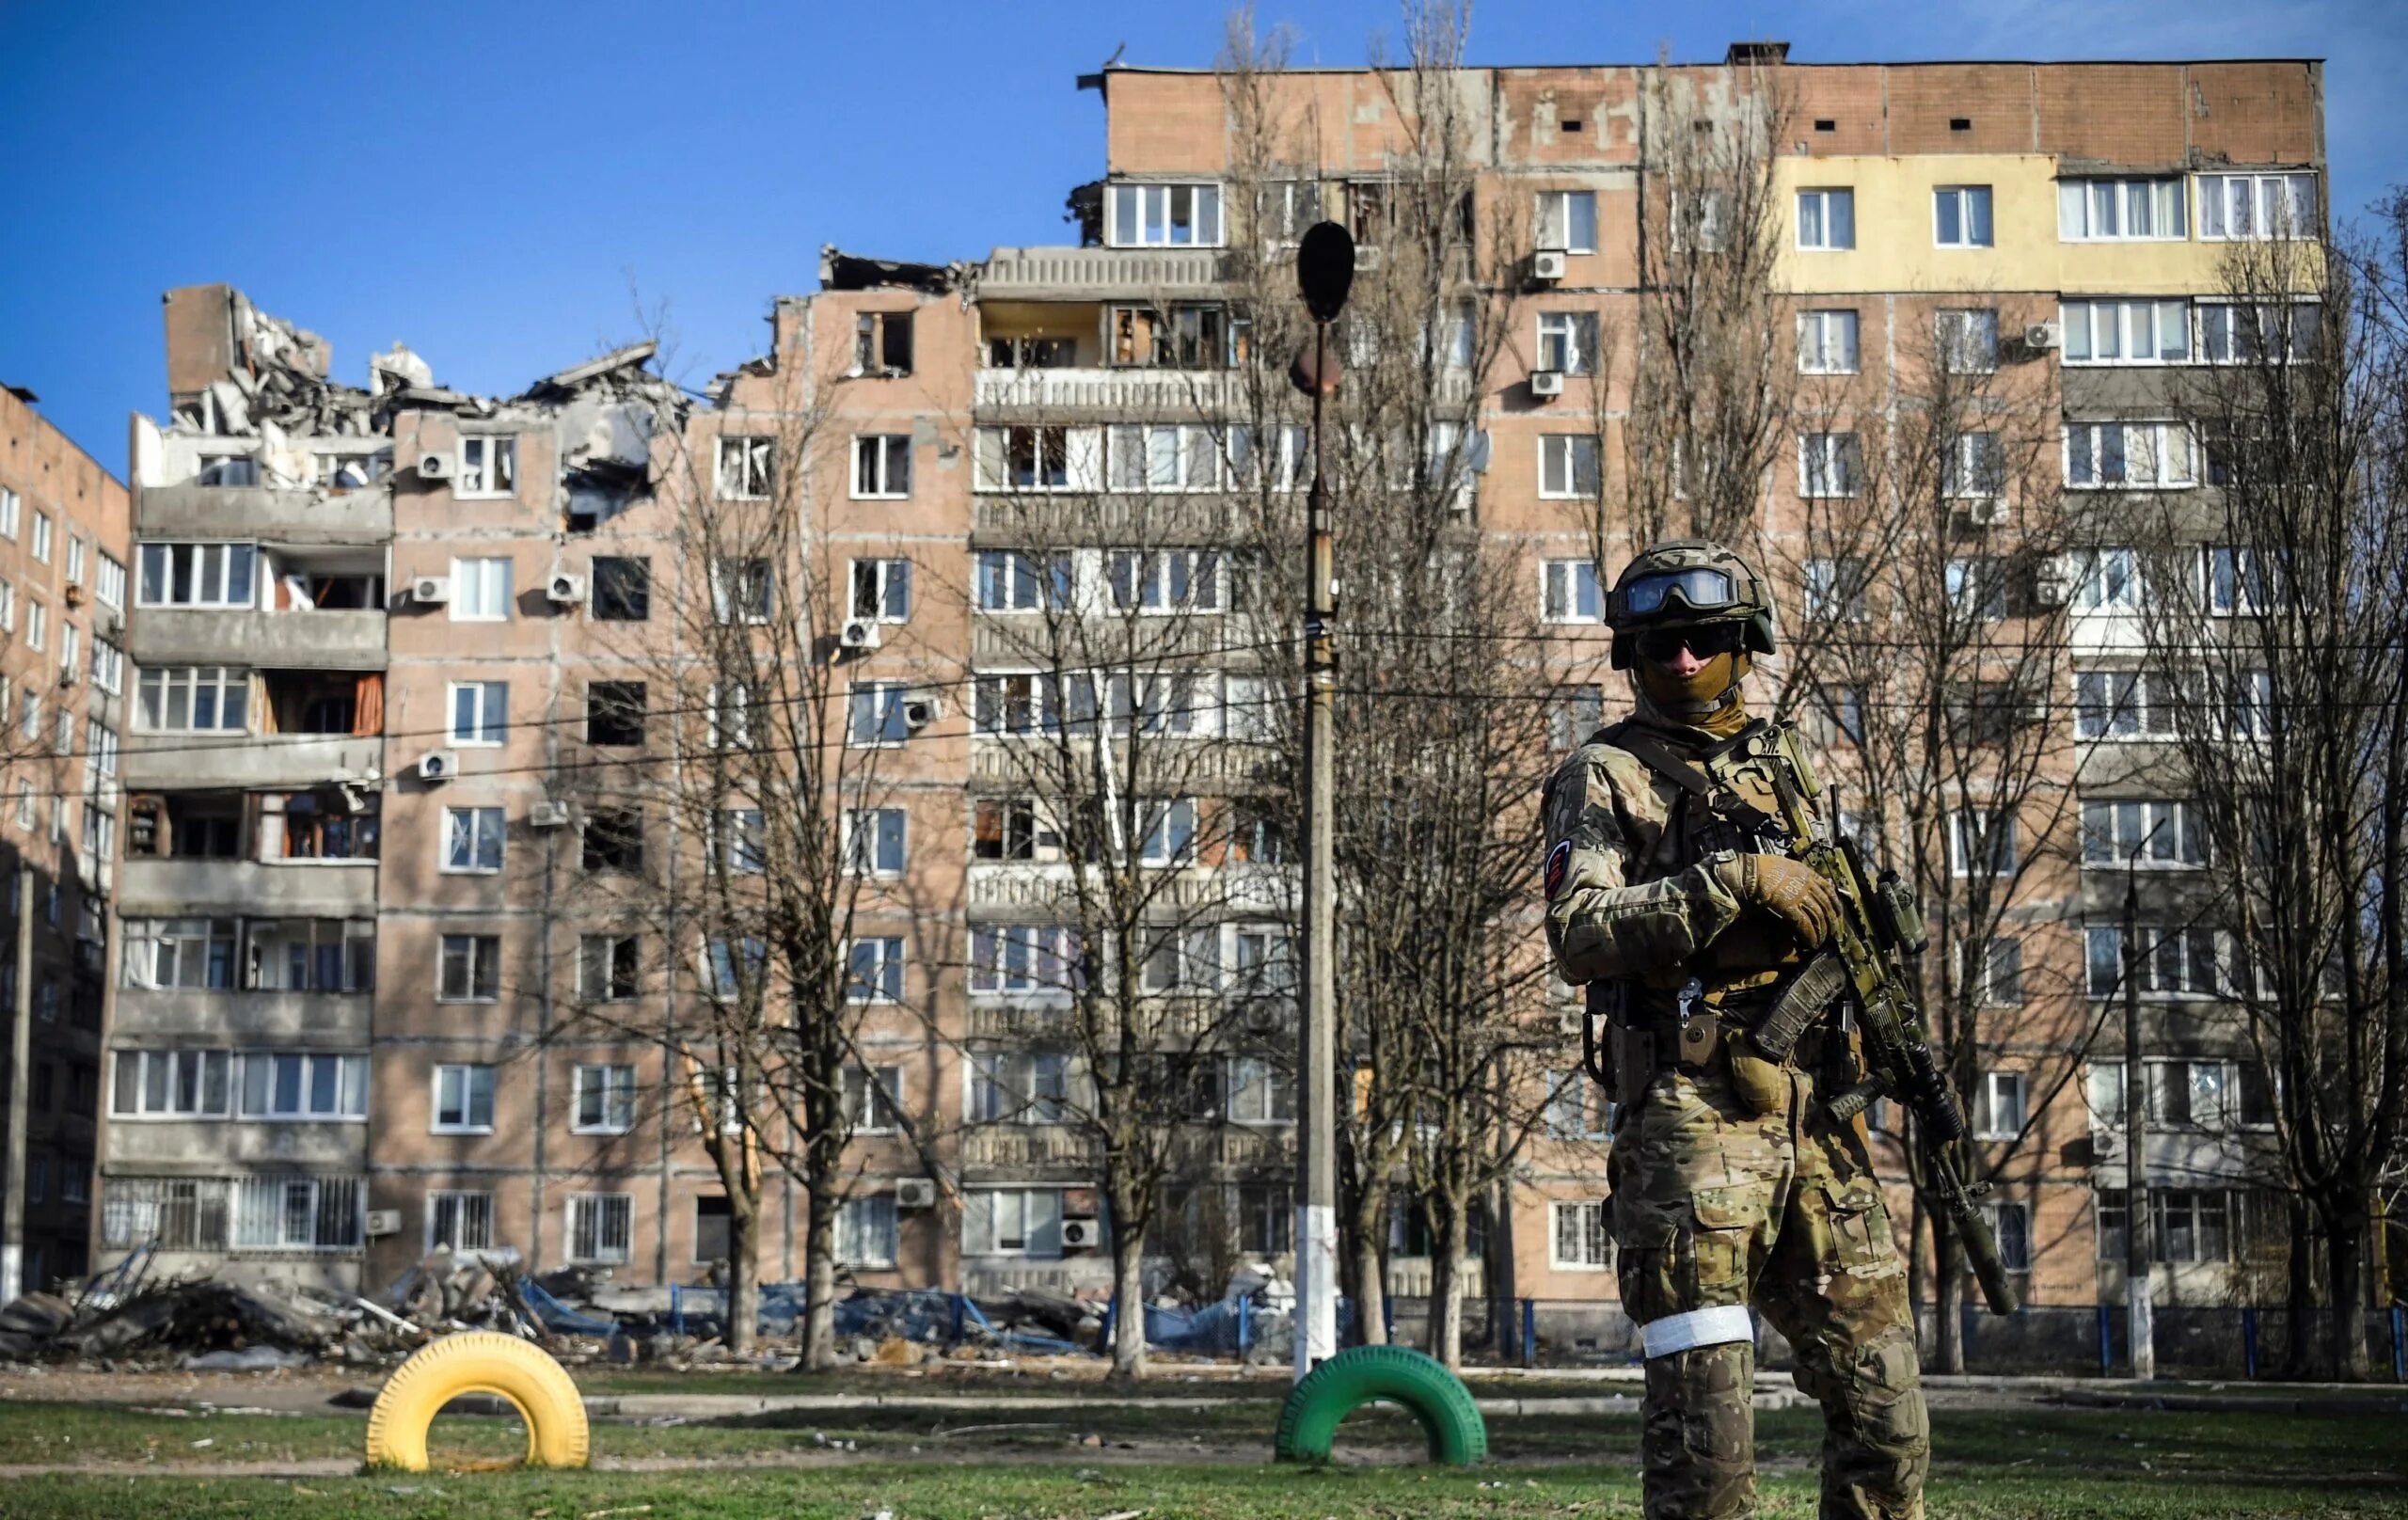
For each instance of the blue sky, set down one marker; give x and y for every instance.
(511, 187)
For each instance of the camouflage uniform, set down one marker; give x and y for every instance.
(1732, 1187)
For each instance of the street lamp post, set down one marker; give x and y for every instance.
(1325, 273)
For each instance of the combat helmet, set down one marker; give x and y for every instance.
(1684, 583)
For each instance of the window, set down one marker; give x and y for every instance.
(883, 464)
(2192, 1224)
(480, 711)
(193, 698)
(601, 1228)
(279, 1084)
(1190, 335)
(875, 969)
(1571, 720)
(197, 575)
(1039, 457)
(1165, 457)
(1567, 221)
(1826, 219)
(12, 508)
(1266, 1218)
(108, 666)
(310, 955)
(744, 468)
(488, 466)
(865, 1231)
(622, 589)
(882, 343)
(740, 590)
(613, 840)
(607, 967)
(2131, 456)
(1826, 342)
(1567, 465)
(70, 650)
(78, 553)
(1960, 216)
(63, 737)
(1580, 1240)
(298, 1213)
(2110, 581)
(1003, 829)
(2257, 205)
(472, 839)
(1260, 1093)
(1288, 208)
(2142, 834)
(1700, 220)
(1283, 463)
(227, 470)
(731, 710)
(1011, 581)
(470, 969)
(1569, 592)
(1023, 958)
(883, 589)
(1981, 843)
(37, 623)
(463, 1099)
(1829, 465)
(1999, 1106)
(1835, 589)
(870, 1097)
(171, 1085)
(180, 952)
(41, 536)
(2010, 1226)
(2108, 210)
(603, 1100)
(2124, 704)
(481, 591)
(874, 714)
(1568, 341)
(1032, 352)
(1576, 1107)
(2237, 585)
(2173, 962)
(733, 967)
(1166, 832)
(736, 840)
(1968, 341)
(2126, 332)
(463, 1221)
(1976, 468)
(1012, 1222)
(1164, 580)
(1163, 216)
(874, 841)
(1265, 963)
(1993, 970)
(2234, 332)
(30, 727)
(614, 713)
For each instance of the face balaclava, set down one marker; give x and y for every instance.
(1706, 703)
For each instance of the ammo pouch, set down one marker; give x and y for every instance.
(1808, 994)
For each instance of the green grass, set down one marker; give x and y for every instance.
(2011, 1462)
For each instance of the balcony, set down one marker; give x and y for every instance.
(1114, 394)
(321, 1020)
(1029, 1145)
(1088, 274)
(345, 640)
(259, 514)
(157, 760)
(198, 887)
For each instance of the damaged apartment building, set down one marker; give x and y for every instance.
(375, 629)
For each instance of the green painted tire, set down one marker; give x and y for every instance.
(1354, 1377)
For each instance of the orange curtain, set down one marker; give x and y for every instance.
(367, 705)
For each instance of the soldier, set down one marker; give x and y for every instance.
(1669, 882)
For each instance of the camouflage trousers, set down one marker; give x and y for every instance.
(1716, 1207)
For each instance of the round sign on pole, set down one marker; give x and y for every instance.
(1326, 269)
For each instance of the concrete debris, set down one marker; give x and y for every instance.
(841, 271)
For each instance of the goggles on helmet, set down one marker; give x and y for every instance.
(1698, 589)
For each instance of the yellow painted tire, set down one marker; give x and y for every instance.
(478, 1361)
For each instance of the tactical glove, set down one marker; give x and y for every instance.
(1785, 889)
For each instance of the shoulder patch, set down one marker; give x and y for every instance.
(1558, 860)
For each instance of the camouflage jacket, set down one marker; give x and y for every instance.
(1627, 897)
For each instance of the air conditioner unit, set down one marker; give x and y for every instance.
(919, 712)
(1081, 1234)
(2106, 1144)
(565, 589)
(2042, 335)
(437, 764)
(2052, 580)
(1986, 511)
(547, 816)
(915, 1192)
(1368, 256)
(111, 624)
(431, 590)
(73, 592)
(434, 466)
(859, 633)
(1546, 384)
(383, 1222)
(1548, 265)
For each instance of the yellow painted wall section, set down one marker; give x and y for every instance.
(1894, 234)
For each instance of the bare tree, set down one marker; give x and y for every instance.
(2277, 625)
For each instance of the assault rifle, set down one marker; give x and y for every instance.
(1871, 959)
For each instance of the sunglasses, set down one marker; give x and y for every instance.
(1661, 644)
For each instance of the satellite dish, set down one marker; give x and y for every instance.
(1326, 269)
